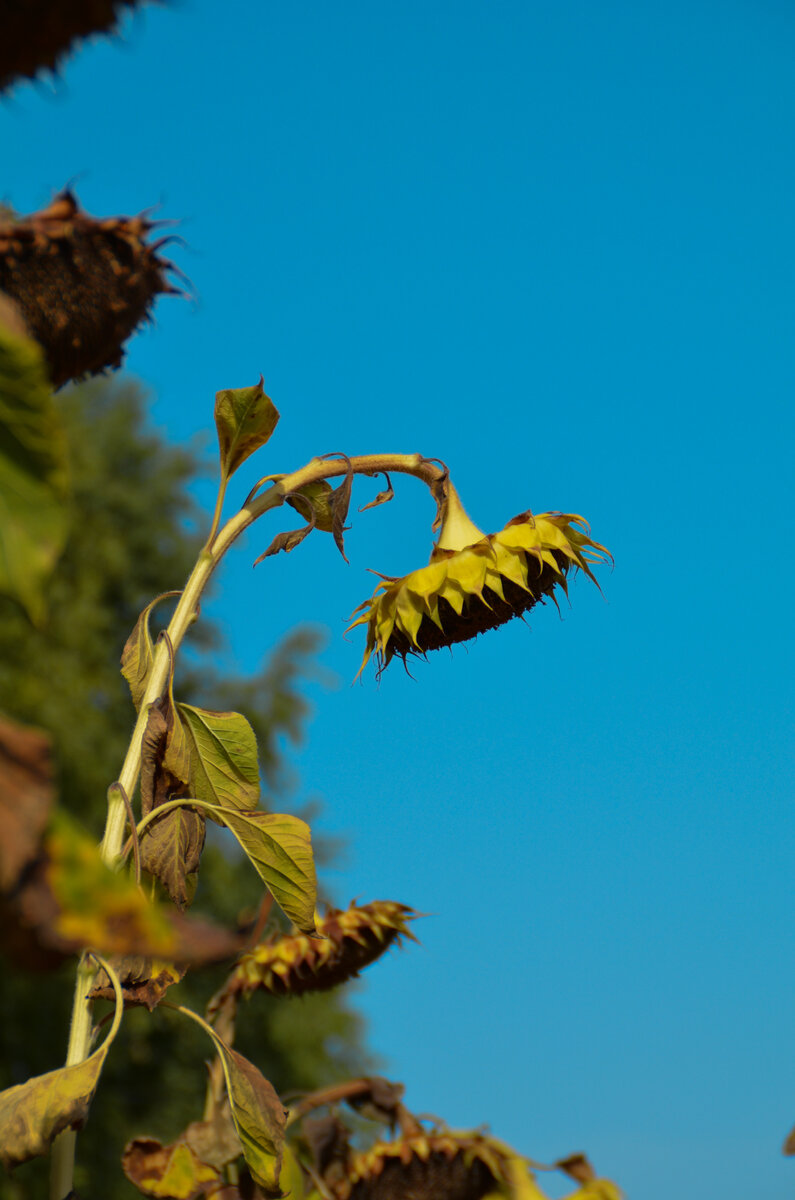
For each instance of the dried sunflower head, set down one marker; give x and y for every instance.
(431, 1166)
(83, 285)
(350, 939)
(475, 581)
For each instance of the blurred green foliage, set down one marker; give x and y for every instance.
(135, 532)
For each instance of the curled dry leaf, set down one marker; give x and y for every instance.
(577, 1167)
(171, 846)
(287, 541)
(382, 497)
(144, 981)
(340, 503)
(138, 653)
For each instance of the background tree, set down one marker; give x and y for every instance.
(134, 534)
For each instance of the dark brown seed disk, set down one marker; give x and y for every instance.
(83, 285)
(36, 34)
(438, 1178)
(478, 616)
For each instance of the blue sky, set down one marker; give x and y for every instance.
(552, 244)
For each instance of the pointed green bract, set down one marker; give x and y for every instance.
(138, 652)
(34, 1113)
(245, 418)
(222, 749)
(257, 1112)
(34, 490)
(279, 848)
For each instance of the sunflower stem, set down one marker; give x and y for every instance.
(184, 615)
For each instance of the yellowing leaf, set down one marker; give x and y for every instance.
(291, 1179)
(33, 474)
(279, 848)
(257, 1112)
(138, 652)
(245, 418)
(224, 768)
(168, 1172)
(32, 1114)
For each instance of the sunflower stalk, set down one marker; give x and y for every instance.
(185, 613)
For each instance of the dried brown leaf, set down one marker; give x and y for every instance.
(382, 497)
(171, 849)
(144, 980)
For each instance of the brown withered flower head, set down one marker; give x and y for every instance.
(82, 284)
(429, 1166)
(349, 940)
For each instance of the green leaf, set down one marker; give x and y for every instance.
(279, 848)
(319, 496)
(224, 768)
(245, 419)
(33, 475)
(138, 652)
(32, 1114)
(257, 1112)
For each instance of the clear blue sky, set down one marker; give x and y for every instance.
(554, 244)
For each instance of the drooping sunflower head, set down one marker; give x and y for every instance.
(348, 940)
(82, 285)
(428, 1166)
(474, 581)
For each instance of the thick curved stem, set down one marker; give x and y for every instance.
(184, 615)
(185, 612)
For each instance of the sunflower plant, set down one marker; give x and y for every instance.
(122, 908)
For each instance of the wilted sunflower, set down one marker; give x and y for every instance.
(83, 285)
(475, 581)
(350, 939)
(434, 1166)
